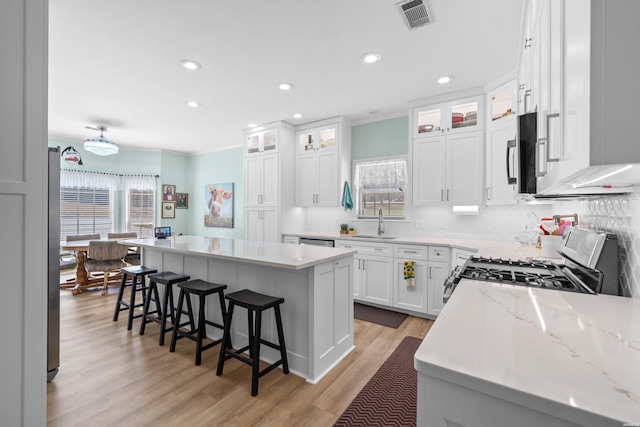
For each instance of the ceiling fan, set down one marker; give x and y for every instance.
(100, 146)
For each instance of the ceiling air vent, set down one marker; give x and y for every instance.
(415, 13)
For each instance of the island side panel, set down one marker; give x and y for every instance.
(331, 302)
(292, 285)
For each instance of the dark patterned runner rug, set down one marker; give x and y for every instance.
(389, 398)
(380, 316)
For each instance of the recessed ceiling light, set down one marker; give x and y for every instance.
(252, 125)
(190, 65)
(285, 86)
(371, 57)
(445, 79)
(297, 115)
(372, 112)
(193, 104)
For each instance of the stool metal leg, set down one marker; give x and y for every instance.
(120, 294)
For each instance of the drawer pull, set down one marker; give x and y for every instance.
(378, 249)
(410, 252)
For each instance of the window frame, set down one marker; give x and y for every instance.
(92, 226)
(406, 189)
(146, 195)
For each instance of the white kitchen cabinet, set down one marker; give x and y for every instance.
(448, 169)
(529, 66)
(376, 279)
(261, 141)
(262, 185)
(448, 117)
(436, 275)
(411, 298)
(268, 183)
(448, 156)
(293, 240)
(373, 263)
(323, 155)
(502, 161)
(262, 225)
(587, 112)
(460, 256)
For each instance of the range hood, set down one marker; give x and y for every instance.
(594, 181)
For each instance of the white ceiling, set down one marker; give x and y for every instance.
(116, 62)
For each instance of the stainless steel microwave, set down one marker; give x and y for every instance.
(527, 145)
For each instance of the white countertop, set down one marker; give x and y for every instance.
(487, 248)
(568, 352)
(280, 255)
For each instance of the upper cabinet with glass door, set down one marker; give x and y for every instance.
(319, 139)
(450, 117)
(261, 141)
(502, 103)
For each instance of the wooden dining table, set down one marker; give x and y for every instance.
(83, 279)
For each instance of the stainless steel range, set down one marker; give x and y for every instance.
(590, 267)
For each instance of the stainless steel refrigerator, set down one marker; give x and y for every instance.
(53, 261)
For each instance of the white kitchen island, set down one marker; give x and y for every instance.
(504, 355)
(315, 282)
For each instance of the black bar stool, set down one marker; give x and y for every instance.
(137, 284)
(254, 303)
(166, 278)
(201, 289)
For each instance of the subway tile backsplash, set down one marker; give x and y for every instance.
(618, 215)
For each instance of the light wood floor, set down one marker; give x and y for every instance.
(113, 377)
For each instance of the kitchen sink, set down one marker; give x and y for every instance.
(373, 236)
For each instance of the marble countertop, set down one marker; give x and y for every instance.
(567, 353)
(295, 257)
(486, 248)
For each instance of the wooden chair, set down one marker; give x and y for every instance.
(106, 256)
(76, 237)
(133, 255)
(66, 264)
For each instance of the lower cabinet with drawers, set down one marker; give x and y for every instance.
(379, 275)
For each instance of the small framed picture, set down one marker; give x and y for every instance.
(169, 192)
(182, 201)
(168, 209)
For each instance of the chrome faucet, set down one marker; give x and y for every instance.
(380, 229)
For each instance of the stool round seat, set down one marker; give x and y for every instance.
(255, 303)
(201, 289)
(137, 284)
(167, 308)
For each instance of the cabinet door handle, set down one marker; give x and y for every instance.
(511, 146)
(364, 265)
(488, 193)
(549, 158)
(441, 195)
(430, 277)
(527, 93)
(539, 160)
(447, 194)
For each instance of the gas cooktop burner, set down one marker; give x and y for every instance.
(540, 274)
